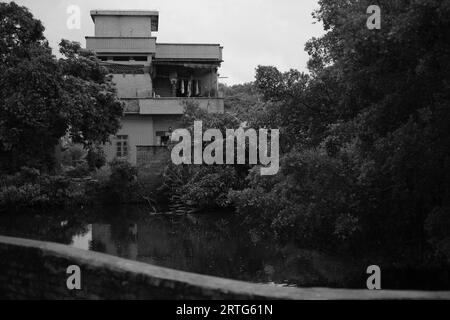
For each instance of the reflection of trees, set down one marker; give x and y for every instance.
(123, 232)
(202, 244)
(96, 245)
(52, 226)
(210, 246)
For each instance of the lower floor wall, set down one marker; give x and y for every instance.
(145, 138)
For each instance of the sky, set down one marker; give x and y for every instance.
(252, 32)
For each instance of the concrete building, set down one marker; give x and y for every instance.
(153, 79)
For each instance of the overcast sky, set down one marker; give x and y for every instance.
(252, 32)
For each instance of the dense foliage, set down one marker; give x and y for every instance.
(29, 188)
(199, 186)
(365, 135)
(43, 99)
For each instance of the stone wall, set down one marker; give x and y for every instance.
(37, 270)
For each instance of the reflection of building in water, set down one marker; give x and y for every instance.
(183, 245)
(118, 240)
(156, 243)
(83, 240)
(199, 247)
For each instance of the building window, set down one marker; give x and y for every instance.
(122, 146)
(162, 138)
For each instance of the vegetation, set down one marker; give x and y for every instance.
(365, 137)
(43, 99)
(198, 186)
(29, 188)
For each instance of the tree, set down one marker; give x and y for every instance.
(19, 33)
(241, 100)
(393, 108)
(42, 99)
(203, 187)
(367, 132)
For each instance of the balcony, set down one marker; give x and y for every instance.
(173, 106)
(121, 44)
(174, 51)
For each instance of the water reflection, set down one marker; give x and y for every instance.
(207, 244)
(123, 244)
(212, 245)
(83, 241)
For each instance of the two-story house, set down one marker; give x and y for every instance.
(153, 79)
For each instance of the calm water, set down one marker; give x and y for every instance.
(206, 244)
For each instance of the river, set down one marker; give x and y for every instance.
(211, 244)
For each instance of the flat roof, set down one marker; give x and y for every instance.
(153, 14)
(124, 13)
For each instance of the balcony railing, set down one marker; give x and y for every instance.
(121, 44)
(173, 106)
(175, 51)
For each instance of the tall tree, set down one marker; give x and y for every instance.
(367, 132)
(42, 98)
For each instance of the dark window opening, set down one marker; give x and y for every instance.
(118, 58)
(162, 138)
(140, 58)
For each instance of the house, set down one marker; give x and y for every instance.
(152, 79)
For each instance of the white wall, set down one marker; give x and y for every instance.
(140, 133)
(164, 122)
(133, 85)
(122, 26)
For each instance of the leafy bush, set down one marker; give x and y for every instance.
(203, 186)
(208, 188)
(96, 158)
(80, 171)
(121, 184)
(30, 188)
(73, 155)
(307, 201)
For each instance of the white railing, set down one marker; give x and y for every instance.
(175, 106)
(189, 51)
(121, 44)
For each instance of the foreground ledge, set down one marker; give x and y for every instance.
(32, 269)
